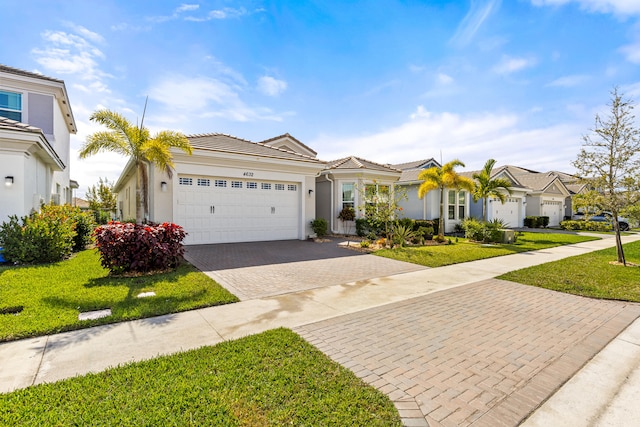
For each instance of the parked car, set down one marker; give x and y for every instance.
(604, 217)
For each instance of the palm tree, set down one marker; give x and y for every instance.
(442, 178)
(486, 187)
(136, 143)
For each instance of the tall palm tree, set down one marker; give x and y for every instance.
(441, 178)
(136, 143)
(486, 187)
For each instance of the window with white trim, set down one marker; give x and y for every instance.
(252, 185)
(456, 206)
(11, 105)
(185, 181)
(236, 184)
(292, 187)
(279, 187)
(265, 185)
(220, 183)
(203, 182)
(348, 195)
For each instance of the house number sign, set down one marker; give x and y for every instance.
(247, 174)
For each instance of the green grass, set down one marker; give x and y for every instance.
(464, 251)
(274, 378)
(53, 295)
(588, 275)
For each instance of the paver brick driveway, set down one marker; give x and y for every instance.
(485, 354)
(261, 269)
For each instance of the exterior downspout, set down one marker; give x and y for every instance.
(332, 203)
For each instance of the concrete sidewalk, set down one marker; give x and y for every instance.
(46, 359)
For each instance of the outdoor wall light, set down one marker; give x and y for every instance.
(163, 186)
(8, 181)
(310, 191)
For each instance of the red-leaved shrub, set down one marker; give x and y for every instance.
(126, 247)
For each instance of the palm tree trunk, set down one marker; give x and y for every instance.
(139, 193)
(441, 221)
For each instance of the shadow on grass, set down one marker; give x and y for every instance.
(143, 279)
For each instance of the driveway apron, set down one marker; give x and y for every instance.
(485, 354)
(263, 269)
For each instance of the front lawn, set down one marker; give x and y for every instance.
(464, 250)
(274, 378)
(588, 275)
(51, 296)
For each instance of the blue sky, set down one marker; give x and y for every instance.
(519, 81)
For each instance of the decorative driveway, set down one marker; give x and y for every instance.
(263, 269)
(485, 354)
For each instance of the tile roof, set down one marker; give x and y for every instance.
(354, 162)
(24, 73)
(9, 124)
(287, 135)
(415, 164)
(231, 144)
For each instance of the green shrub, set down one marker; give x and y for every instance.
(84, 226)
(320, 226)
(365, 244)
(45, 236)
(401, 234)
(473, 229)
(406, 222)
(586, 225)
(483, 231)
(536, 221)
(433, 223)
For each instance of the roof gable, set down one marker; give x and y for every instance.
(354, 162)
(289, 143)
(417, 164)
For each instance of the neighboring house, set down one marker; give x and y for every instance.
(548, 195)
(35, 127)
(456, 203)
(575, 186)
(513, 211)
(231, 190)
(352, 182)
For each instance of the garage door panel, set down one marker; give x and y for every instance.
(236, 212)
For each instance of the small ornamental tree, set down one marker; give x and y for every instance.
(137, 248)
(609, 161)
(382, 206)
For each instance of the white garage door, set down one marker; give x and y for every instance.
(553, 210)
(223, 210)
(509, 212)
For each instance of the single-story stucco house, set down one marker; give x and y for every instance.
(352, 182)
(231, 190)
(35, 127)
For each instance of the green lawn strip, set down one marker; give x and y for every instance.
(588, 275)
(53, 295)
(464, 250)
(273, 378)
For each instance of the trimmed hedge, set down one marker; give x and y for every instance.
(139, 248)
(536, 221)
(586, 225)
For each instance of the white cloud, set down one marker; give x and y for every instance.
(617, 7)
(187, 7)
(510, 64)
(569, 81)
(67, 53)
(471, 138)
(205, 97)
(632, 52)
(473, 20)
(444, 79)
(271, 86)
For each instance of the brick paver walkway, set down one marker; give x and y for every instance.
(485, 354)
(262, 269)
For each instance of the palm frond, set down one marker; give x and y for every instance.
(105, 141)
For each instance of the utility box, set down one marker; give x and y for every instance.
(507, 236)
